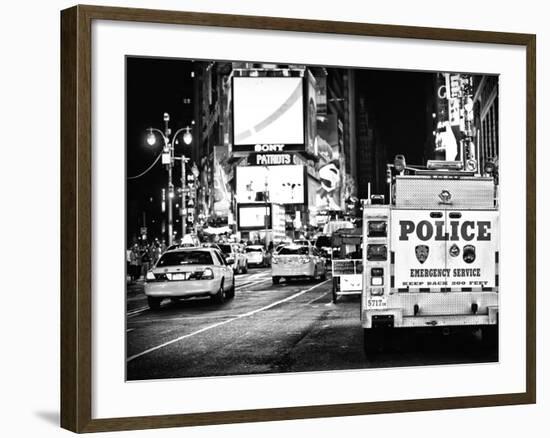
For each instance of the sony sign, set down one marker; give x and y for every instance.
(269, 147)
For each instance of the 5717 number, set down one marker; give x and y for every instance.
(376, 303)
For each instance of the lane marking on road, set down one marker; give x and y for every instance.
(210, 327)
(251, 283)
(143, 309)
(182, 318)
(259, 274)
(136, 311)
(318, 298)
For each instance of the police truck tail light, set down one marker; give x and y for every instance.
(377, 252)
(377, 281)
(377, 277)
(275, 260)
(377, 229)
(377, 291)
(305, 260)
(207, 274)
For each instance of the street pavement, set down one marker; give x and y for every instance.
(266, 328)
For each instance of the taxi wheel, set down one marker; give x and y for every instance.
(154, 302)
(219, 298)
(231, 293)
(314, 277)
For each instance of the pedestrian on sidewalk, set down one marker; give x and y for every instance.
(135, 262)
(145, 260)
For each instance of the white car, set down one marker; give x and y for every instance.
(190, 272)
(235, 257)
(256, 255)
(298, 261)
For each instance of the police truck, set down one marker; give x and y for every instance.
(431, 252)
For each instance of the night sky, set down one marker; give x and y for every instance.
(397, 103)
(154, 86)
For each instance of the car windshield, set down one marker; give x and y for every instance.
(226, 249)
(297, 250)
(185, 258)
(253, 249)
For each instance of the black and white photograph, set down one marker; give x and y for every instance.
(285, 218)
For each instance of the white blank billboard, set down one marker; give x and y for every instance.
(285, 184)
(253, 217)
(268, 110)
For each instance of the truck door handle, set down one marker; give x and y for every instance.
(455, 215)
(436, 214)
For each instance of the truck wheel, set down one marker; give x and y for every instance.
(276, 280)
(371, 341)
(489, 336)
(334, 294)
(154, 303)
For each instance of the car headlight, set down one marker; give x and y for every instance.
(150, 276)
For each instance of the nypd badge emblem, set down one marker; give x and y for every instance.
(422, 252)
(469, 253)
(454, 250)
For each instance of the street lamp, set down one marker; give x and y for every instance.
(168, 158)
(151, 139)
(187, 137)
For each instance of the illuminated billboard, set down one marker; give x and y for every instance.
(253, 217)
(283, 184)
(268, 114)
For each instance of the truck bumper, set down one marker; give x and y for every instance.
(434, 309)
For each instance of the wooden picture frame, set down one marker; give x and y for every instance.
(76, 218)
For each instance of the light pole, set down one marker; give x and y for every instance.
(168, 159)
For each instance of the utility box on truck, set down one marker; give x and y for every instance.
(431, 255)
